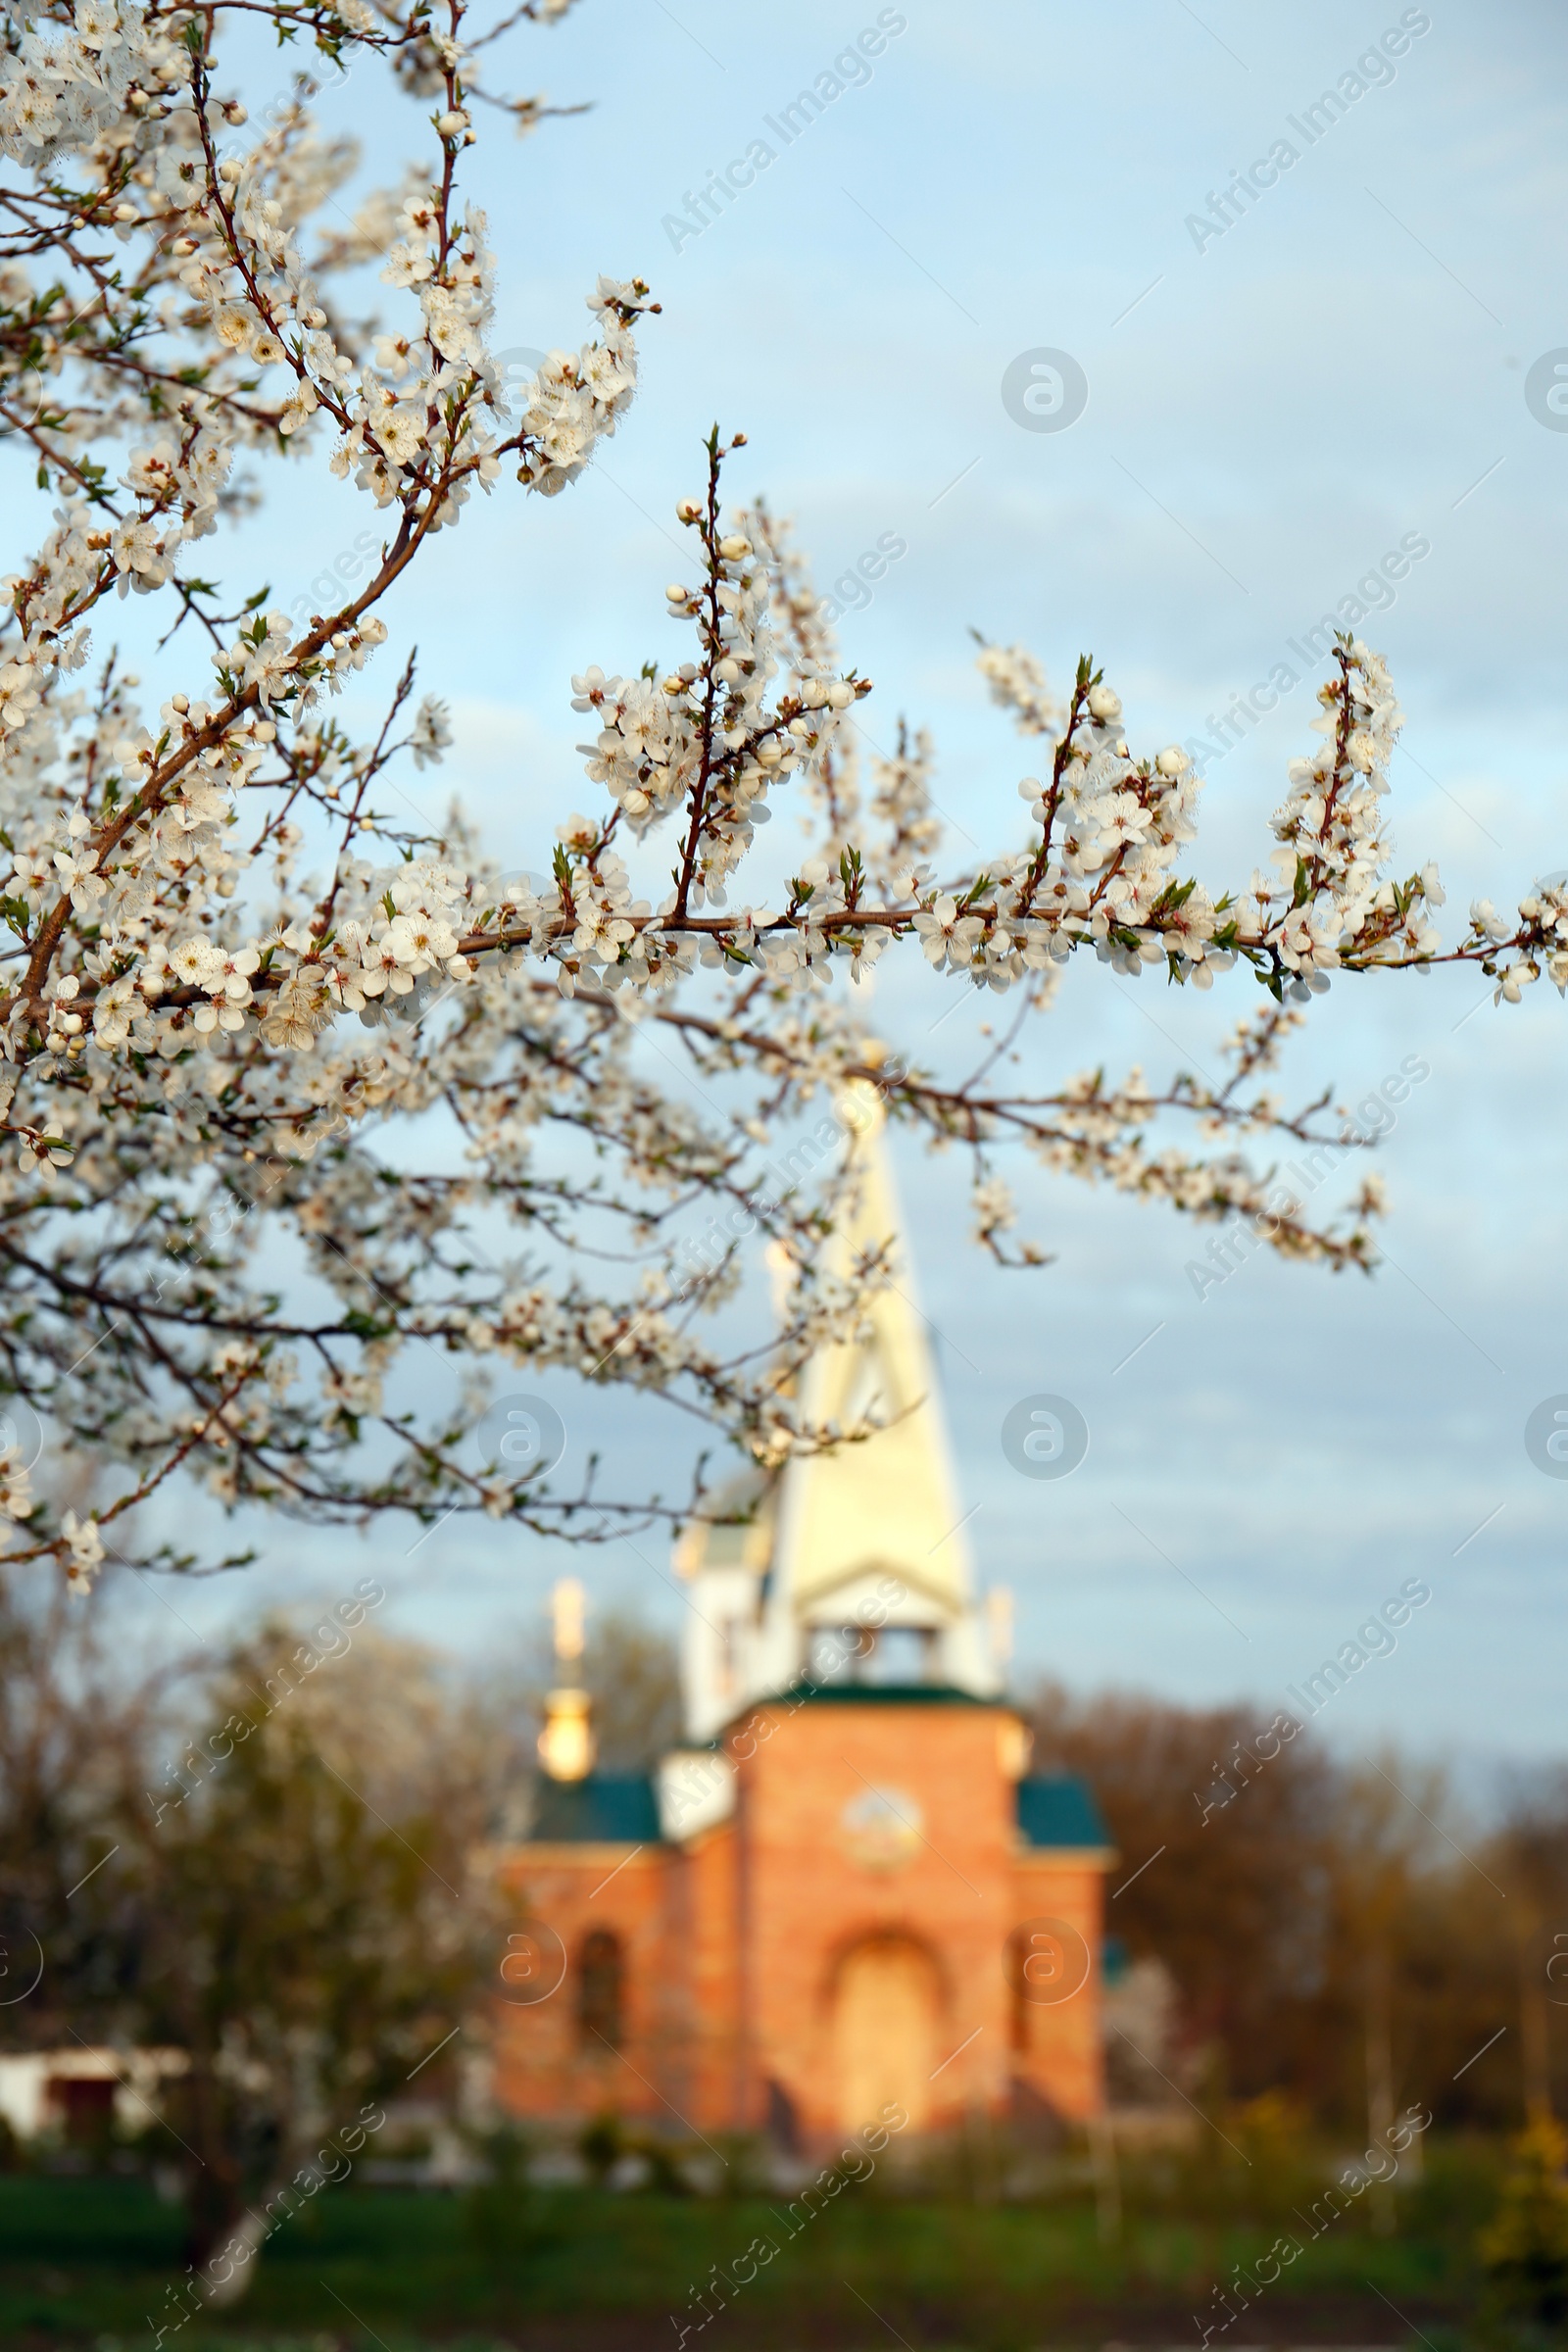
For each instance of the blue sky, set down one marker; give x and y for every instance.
(1269, 412)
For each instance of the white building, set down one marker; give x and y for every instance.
(42, 2091)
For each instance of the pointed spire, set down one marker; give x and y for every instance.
(887, 1506)
(871, 1536)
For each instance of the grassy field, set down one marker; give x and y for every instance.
(96, 2262)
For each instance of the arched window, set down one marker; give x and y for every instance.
(600, 1990)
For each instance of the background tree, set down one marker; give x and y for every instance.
(1325, 1940)
(1524, 2246)
(310, 1924)
(1531, 1858)
(77, 1717)
(270, 1863)
(1234, 1904)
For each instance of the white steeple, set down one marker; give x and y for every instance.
(856, 1564)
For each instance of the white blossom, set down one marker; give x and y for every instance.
(243, 987)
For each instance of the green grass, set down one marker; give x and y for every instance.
(93, 2260)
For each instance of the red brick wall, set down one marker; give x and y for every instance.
(545, 2065)
(1058, 2045)
(811, 1902)
(706, 1954)
(739, 1947)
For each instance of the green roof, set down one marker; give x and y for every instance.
(1060, 1811)
(873, 1695)
(605, 1809)
(622, 1809)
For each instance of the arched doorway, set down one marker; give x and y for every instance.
(885, 2031)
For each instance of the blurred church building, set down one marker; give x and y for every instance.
(846, 1892)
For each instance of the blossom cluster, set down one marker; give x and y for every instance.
(241, 994)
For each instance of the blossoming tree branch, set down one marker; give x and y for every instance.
(221, 1255)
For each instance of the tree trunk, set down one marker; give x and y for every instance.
(213, 2199)
(1535, 2049)
(1379, 2079)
